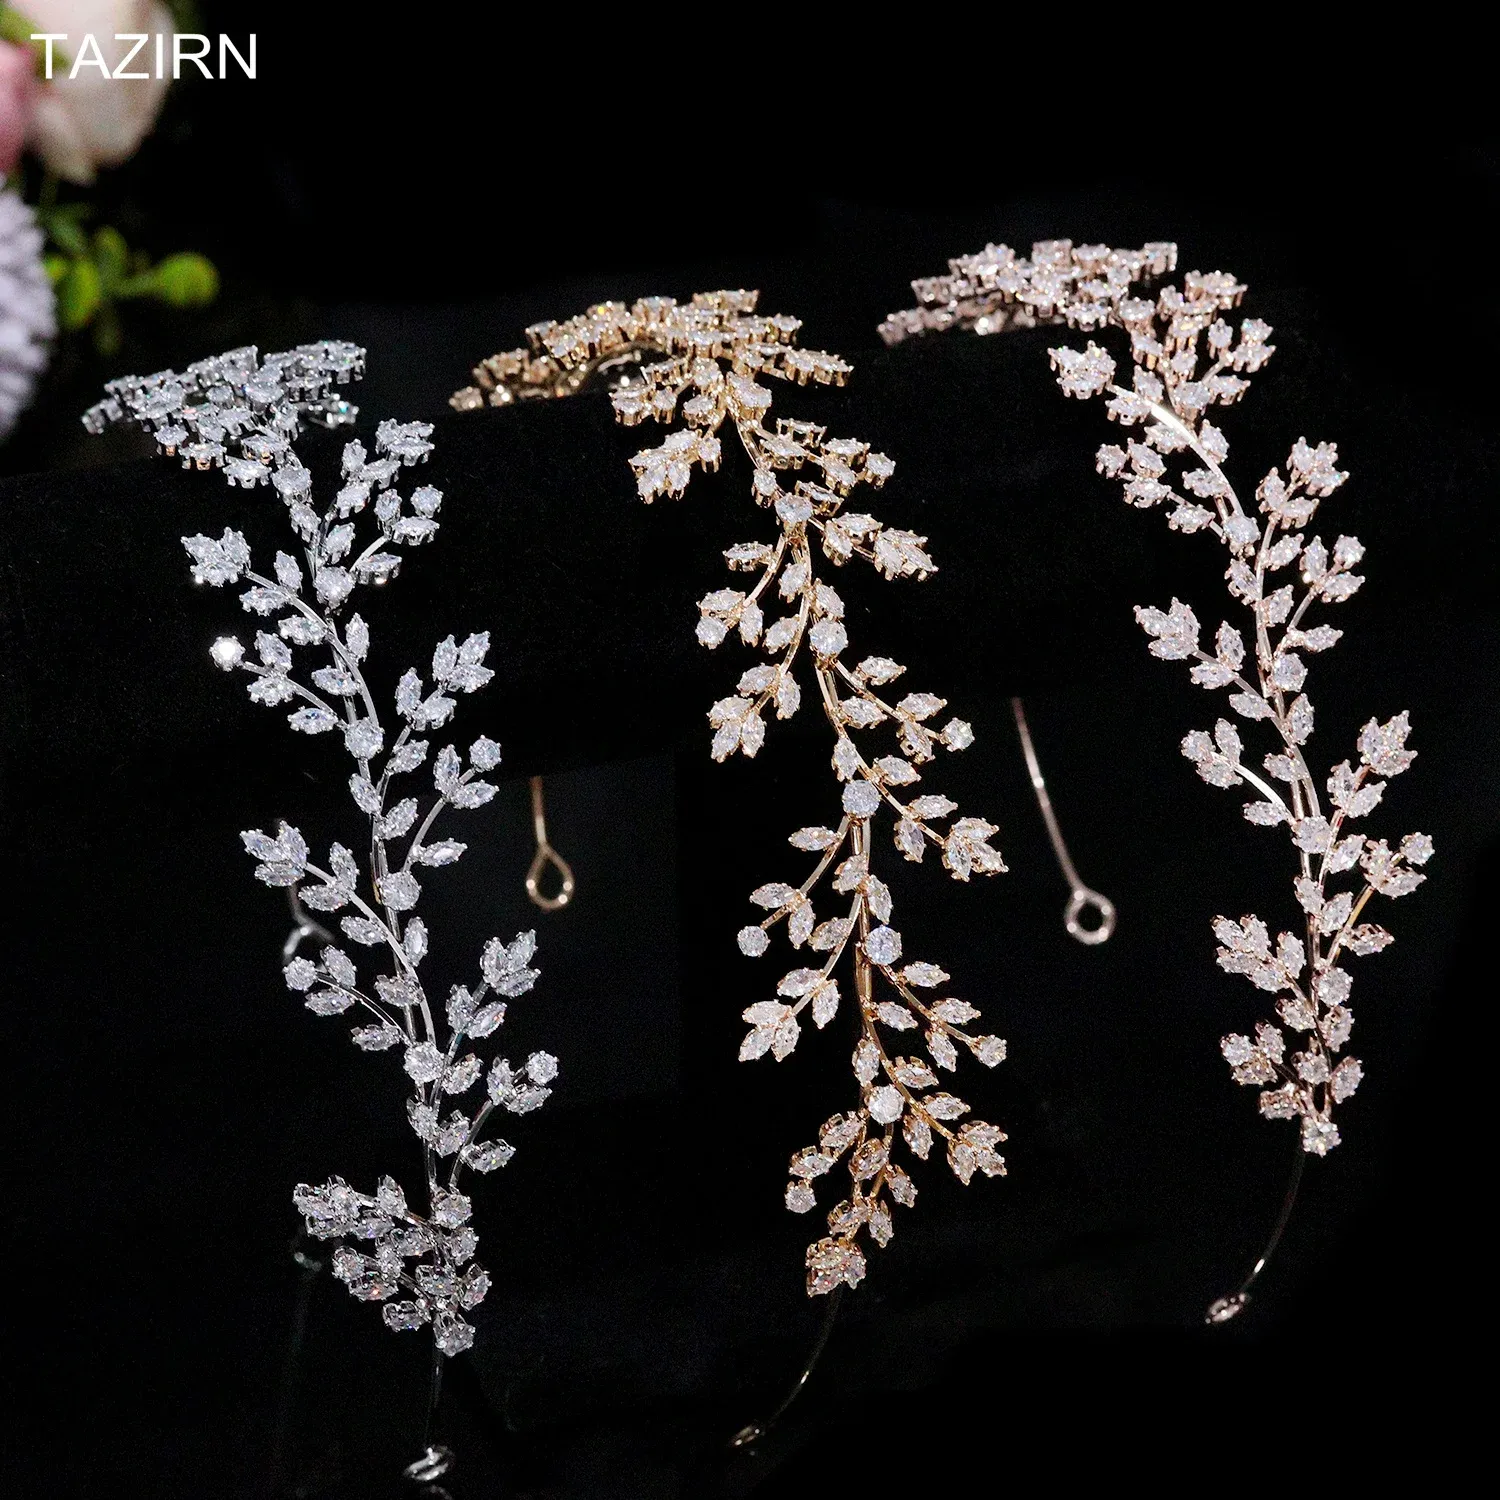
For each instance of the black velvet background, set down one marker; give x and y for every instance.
(165, 1092)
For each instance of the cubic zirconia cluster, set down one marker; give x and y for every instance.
(712, 361)
(1186, 358)
(420, 1265)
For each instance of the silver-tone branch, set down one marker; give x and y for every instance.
(304, 929)
(419, 1262)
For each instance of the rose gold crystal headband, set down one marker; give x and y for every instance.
(1185, 359)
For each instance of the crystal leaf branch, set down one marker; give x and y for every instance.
(1187, 358)
(419, 1264)
(712, 365)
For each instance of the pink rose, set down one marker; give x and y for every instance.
(17, 99)
(83, 123)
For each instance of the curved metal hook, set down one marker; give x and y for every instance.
(1225, 1309)
(1082, 897)
(546, 855)
(752, 1432)
(432, 1465)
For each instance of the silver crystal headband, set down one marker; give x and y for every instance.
(243, 414)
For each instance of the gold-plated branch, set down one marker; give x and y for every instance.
(714, 364)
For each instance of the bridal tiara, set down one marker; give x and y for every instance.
(1186, 358)
(712, 364)
(242, 414)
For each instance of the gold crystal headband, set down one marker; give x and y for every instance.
(707, 368)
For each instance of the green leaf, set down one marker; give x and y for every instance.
(112, 256)
(56, 267)
(79, 295)
(14, 27)
(186, 279)
(17, 29)
(64, 231)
